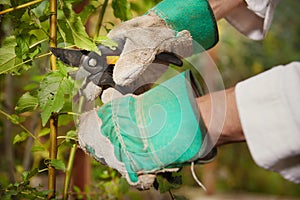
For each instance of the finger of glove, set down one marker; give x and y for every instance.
(141, 48)
(140, 85)
(150, 20)
(91, 91)
(93, 142)
(110, 94)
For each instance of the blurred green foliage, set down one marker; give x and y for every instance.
(240, 58)
(237, 172)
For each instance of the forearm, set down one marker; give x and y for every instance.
(231, 129)
(222, 7)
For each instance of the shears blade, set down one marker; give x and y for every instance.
(71, 57)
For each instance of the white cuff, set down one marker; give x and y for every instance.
(269, 109)
(254, 20)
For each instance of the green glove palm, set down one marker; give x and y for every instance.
(143, 134)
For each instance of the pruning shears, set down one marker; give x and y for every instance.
(98, 68)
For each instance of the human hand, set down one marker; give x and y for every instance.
(171, 26)
(160, 130)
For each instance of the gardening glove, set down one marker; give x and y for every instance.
(172, 26)
(140, 136)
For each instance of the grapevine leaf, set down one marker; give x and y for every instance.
(65, 32)
(58, 164)
(20, 137)
(41, 11)
(67, 85)
(80, 36)
(71, 27)
(7, 54)
(121, 9)
(108, 42)
(27, 102)
(52, 93)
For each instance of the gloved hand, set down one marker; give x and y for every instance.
(142, 135)
(171, 26)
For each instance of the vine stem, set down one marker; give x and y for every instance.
(8, 116)
(19, 7)
(71, 158)
(54, 116)
(53, 30)
(100, 19)
(69, 171)
(24, 62)
(52, 155)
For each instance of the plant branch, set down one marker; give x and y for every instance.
(24, 62)
(54, 116)
(66, 137)
(100, 19)
(21, 126)
(69, 171)
(53, 31)
(52, 155)
(69, 113)
(20, 6)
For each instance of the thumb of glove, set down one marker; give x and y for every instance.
(110, 94)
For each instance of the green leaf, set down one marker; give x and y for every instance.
(89, 9)
(20, 137)
(7, 54)
(121, 9)
(106, 42)
(29, 174)
(44, 131)
(71, 135)
(27, 102)
(37, 148)
(67, 85)
(58, 164)
(78, 192)
(80, 36)
(51, 95)
(5, 2)
(41, 10)
(166, 181)
(71, 27)
(22, 45)
(15, 119)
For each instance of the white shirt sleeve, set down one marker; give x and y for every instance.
(253, 20)
(269, 109)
